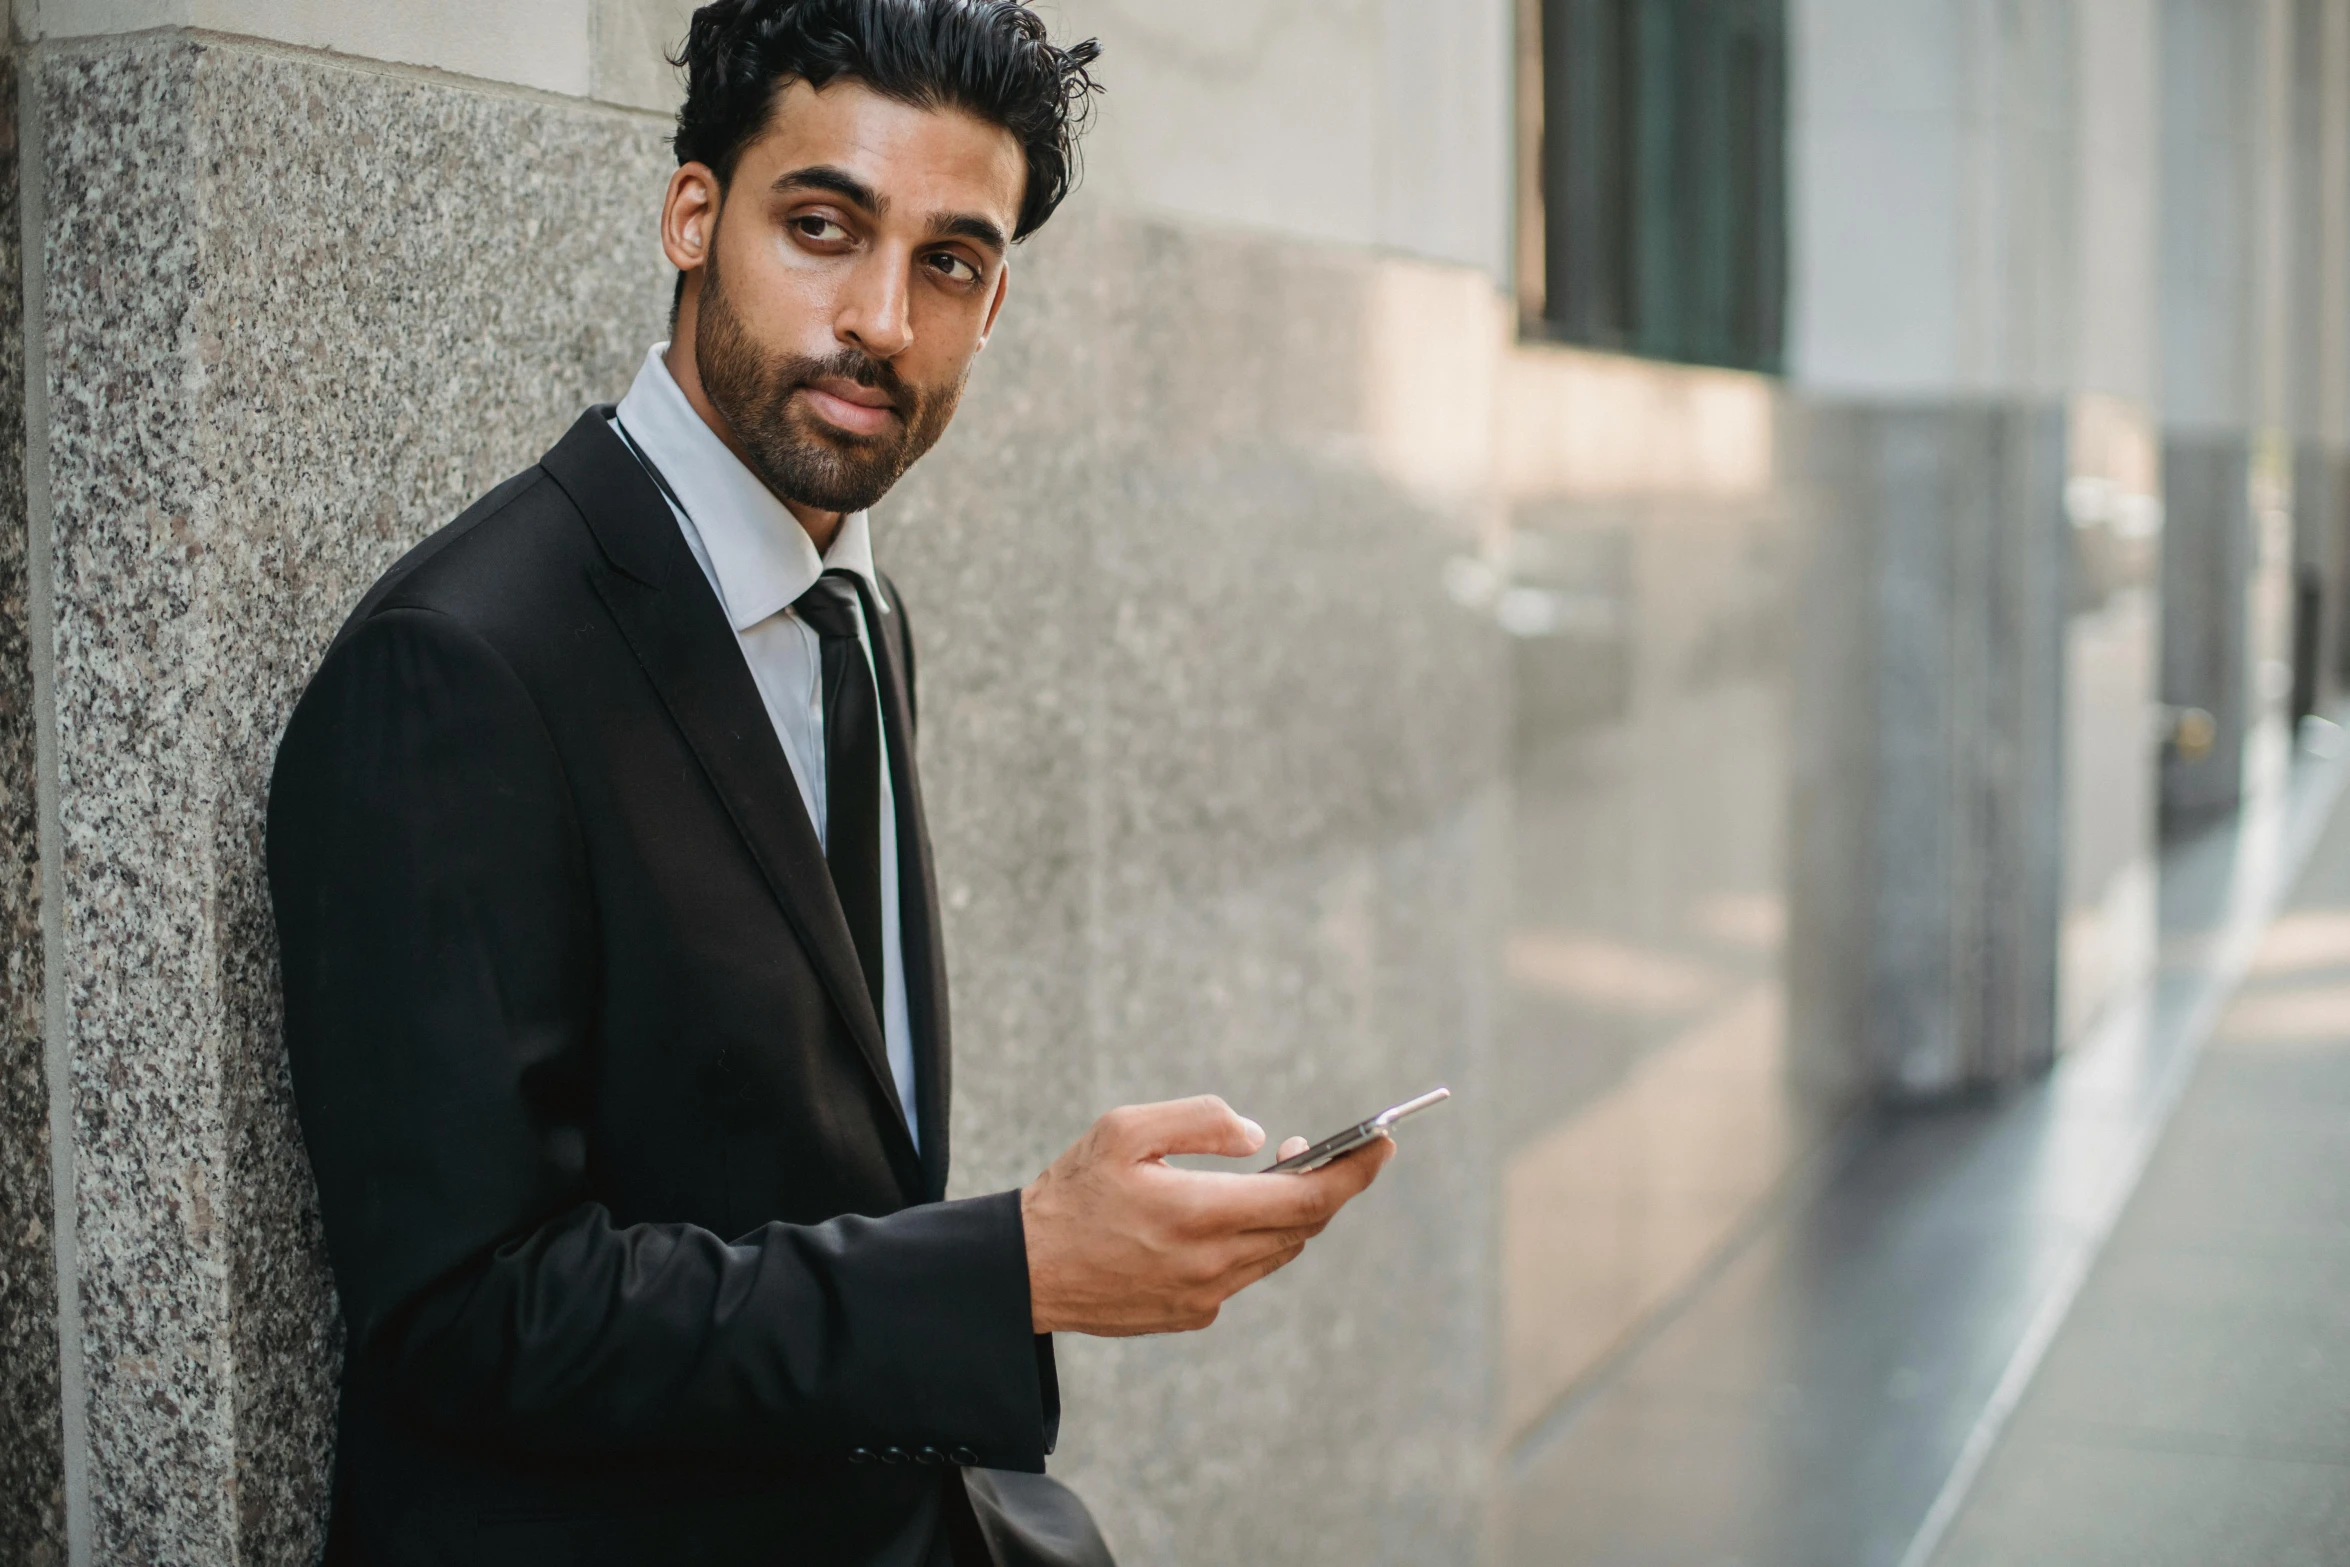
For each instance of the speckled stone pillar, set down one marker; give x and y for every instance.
(2208, 552)
(2319, 563)
(293, 314)
(1929, 789)
(32, 1471)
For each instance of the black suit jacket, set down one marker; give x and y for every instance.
(637, 1258)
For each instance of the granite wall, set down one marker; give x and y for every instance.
(1645, 1106)
(1216, 769)
(32, 1473)
(2321, 575)
(1217, 762)
(1928, 824)
(2208, 553)
(224, 474)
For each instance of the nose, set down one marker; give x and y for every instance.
(876, 310)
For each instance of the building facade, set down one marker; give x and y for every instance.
(1425, 587)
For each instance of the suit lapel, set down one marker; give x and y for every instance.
(919, 935)
(674, 625)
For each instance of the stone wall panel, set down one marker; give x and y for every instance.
(137, 961)
(299, 315)
(503, 252)
(1216, 771)
(32, 1478)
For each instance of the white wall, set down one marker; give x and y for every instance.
(1381, 123)
(545, 44)
(2210, 57)
(605, 49)
(2119, 230)
(1367, 122)
(1875, 159)
(1933, 154)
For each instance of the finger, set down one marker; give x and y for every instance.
(1348, 1176)
(1205, 1124)
(1248, 1273)
(1291, 1147)
(1236, 1253)
(1334, 1185)
(1214, 1203)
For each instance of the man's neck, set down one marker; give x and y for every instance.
(822, 527)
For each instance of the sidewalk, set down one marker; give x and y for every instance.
(2195, 1407)
(1848, 1383)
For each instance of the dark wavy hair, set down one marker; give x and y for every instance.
(990, 58)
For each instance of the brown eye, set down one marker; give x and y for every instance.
(820, 229)
(954, 267)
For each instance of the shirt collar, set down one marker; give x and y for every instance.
(760, 556)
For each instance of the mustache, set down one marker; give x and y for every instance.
(852, 364)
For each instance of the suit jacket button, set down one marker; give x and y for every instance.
(964, 1456)
(893, 1455)
(930, 1455)
(860, 1455)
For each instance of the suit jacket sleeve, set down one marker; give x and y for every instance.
(435, 915)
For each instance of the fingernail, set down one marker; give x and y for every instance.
(1254, 1130)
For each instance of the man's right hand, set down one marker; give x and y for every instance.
(1120, 1242)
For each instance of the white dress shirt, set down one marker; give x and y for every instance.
(759, 561)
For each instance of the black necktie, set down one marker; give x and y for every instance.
(852, 766)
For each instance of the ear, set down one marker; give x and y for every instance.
(995, 306)
(689, 216)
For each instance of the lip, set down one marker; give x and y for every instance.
(850, 408)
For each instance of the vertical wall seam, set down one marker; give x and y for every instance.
(202, 737)
(41, 617)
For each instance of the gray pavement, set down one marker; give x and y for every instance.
(1826, 1393)
(2195, 1407)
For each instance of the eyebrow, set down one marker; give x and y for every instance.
(964, 225)
(836, 181)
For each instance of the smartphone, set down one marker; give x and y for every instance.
(1357, 1135)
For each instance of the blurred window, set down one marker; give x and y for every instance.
(1663, 178)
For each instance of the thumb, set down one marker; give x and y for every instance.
(1203, 1125)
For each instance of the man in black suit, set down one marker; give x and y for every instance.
(614, 989)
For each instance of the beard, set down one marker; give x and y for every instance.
(796, 456)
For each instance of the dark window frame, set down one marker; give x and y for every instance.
(1654, 207)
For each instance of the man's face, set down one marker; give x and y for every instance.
(849, 272)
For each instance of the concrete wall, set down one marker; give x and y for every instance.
(2117, 185)
(1383, 123)
(1378, 123)
(602, 49)
(1933, 162)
